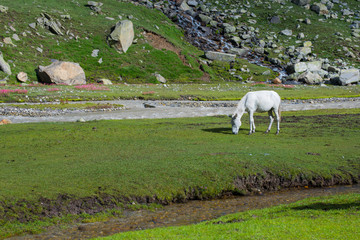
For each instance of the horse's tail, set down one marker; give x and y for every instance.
(279, 112)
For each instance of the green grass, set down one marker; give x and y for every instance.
(335, 217)
(223, 91)
(162, 159)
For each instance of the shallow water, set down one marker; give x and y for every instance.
(188, 213)
(136, 110)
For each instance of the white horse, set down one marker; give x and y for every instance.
(260, 101)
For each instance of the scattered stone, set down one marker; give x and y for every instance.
(319, 8)
(241, 52)
(22, 77)
(82, 120)
(3, 9)
(104, 81)
(8, 40)
(275, 20)
(159, 78)
(122, 36)
(95, 6)
(219, 56)
(276, 81)
(59, 72)
(4, 66)
(15, 37)
(95, 53)
(32, 25)
(39, 49)
(286, 32)
(301, 2)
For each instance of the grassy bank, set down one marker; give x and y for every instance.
(336, 217)
(223, 91)
(46, 169)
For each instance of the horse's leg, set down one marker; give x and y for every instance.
(277, 115)
(271, 116)
(252, 123)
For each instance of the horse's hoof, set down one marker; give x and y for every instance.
(267, 131)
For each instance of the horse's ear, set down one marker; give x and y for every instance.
(234, 115)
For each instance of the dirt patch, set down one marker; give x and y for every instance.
(161, 43)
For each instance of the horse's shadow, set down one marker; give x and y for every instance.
(218, 130)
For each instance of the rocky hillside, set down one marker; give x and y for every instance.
(305, 40)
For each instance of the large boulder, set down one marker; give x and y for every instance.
(310, 78)
(123, 35)
(59, 72)
(4, 66)
(348, 76)
(219, 56)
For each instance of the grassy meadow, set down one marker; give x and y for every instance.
(335, 217)
(222, 91)
(164, 160)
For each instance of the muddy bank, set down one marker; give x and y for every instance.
(187, 213)
(24, 211)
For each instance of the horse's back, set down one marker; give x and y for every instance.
(262, 101)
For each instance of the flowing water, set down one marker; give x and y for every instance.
(187, 213)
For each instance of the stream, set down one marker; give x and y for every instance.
(187, 213)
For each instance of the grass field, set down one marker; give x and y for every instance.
(336, 217)
(165, 160)
(223, 91)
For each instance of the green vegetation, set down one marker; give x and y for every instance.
(335, 217)
(164, 160)
(175, 59)
(223, 91)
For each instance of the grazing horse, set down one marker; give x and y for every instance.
(259, 101)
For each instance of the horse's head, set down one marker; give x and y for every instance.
(236, 123)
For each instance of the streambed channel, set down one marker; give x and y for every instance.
(141, 109)
(187, 213)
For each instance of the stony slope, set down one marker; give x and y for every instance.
(312, 41)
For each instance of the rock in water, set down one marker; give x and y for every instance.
(59, 72)
(122, 35)
(4, 66)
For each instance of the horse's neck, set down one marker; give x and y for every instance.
(240, 109)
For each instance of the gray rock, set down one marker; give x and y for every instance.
(241, 52)
(225, 57)
(4, 66)
(160, 78)
(122, 35)
(32, 25)
(184, 7)
(301, 2)
(204, 19)
(286, 32)
(22, 77)
(95, 53)
(319, 8)
(59, 72)
(310, 78)
(104, 81)
(275, 20)
(348, 76)
(192, 3)
(3, 9)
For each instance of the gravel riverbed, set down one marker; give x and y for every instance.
(141, 109)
